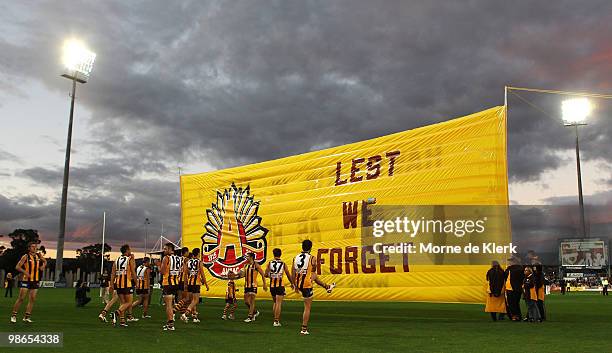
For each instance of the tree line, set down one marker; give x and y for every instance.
(88, 258)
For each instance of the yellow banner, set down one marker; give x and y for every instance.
(320, 195)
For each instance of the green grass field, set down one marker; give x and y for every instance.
(579, 322)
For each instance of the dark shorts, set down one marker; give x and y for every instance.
(250, 290)
(193, 289)
(142, 291)
(307, 293)
(124, 291)
(230, 300)
(29, 284)
(181, 285)
(170, 290)
(277, 291)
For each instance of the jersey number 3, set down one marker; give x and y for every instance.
(301, 260)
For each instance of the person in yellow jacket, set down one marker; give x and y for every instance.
(495, 303)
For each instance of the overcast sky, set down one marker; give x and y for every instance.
(205, 85)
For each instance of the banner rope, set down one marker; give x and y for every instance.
(568, 93)
(534, 106)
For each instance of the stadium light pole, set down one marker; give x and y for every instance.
(146, 225)
(78, 63)
(575, 112)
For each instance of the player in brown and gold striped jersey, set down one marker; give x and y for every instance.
(230, 297)
(122, 276)
(143, 287)
(249, 272)
(29, 266)
(304, 272)
(183, 296)
(276, 270)
(195, 278)
(171, 273)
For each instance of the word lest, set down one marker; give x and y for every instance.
(373, 168)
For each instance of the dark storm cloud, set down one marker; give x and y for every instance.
(126, 203)
(107, 173)
(232, 82)
(43, 176)
(7, 156)
(213, 80)
(14, 209)
(541, 227)
(600, 198)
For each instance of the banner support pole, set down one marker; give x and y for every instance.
(180, 230)
(506, 98)
(103, 233)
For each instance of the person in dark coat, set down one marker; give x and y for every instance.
(8, 284)
(513, 279)
(495, 302)
(81, 294)
(540, 285)
(562, 286)
(530, 295)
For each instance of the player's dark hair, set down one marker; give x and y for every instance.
(146, 259)
(306, 245)
(195, 251)
(277, 252)
(124, 248)
(185, 250)
(31, 242)
(178, 252)
(170, 246)
(251, 255)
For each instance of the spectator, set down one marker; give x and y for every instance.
(495, 292)
(513, 279)
(8, 284)
(104, 279)
(81, 294)
(540, 284)
(562, 286)
(531, 297)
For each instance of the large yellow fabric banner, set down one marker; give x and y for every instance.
(320, 195)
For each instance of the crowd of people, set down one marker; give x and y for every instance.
(505, 288)
(584, 283)
(528, 280)
(183, 275)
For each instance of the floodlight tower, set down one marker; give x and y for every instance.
(78, 64)
(575, 112)
(147, 222)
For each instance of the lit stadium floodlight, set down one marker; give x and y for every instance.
(575, 111)
(78, 60)
(78, 63)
